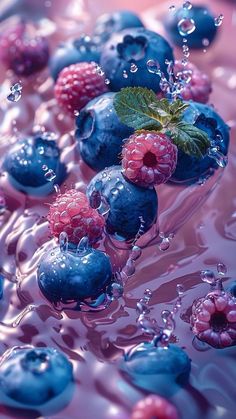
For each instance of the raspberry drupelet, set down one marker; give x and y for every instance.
(72, 214)
(149, 158)
(77, 85)
(154, 406)
(213, 319)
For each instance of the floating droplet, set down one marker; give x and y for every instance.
(50, 175)
(44, 167)
(133, 68)
(125, 74)
(186, 26)
(57, 188)
(153, 66)
(219, 20)
(16, 92)
(99, 70)
(180, 289)
(221, 268)
(205, 42)
(76, 113)
(208, 276)
(187, 5)
(83, 245)
(107, 81)
(135, 253)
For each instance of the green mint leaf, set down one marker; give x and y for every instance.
(177, 107)
(190, 139)
(135, 108)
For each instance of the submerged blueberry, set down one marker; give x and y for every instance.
(157, 369)
(34, 376)
(189, 169)
(232, 288)
(109, 23)
(135, 47)
(130, 206)
(202, 19)
(66, 277)
(100, 133)
(32, 163)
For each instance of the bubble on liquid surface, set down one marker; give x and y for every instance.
(219, 20)
(16, 92)
(186, 26)
(221, 268)
(208, 276)
(153, 66)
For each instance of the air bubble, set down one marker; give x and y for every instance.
(125, 74)
(186, 26)
(208, 276)
(205, 42)
(133, 68)
(99, 70)
(153, 66)
(180, 289)
(219, 20)
(187, 5)
(107, 81)
(16, 92)
(50, 175)
(221, 268)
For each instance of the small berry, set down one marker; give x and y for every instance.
(154, 406)
(149, 158)
(74, 276)
(22, 53)
(199, 87)
(72, 214)
(77, 85)
(213, 319)
(34, 376)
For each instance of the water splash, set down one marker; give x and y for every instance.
(16, 92)
(219, 157)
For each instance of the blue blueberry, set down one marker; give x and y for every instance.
(72, 52)
(131, 206)
(232, 288)
(205, 30)
(109, 23)
(33, 164)
(34, 376)
(100, 133)
(134, 46)
(189, 169)
(157, 369)
(72, 277)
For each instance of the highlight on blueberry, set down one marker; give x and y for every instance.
(100, 133)
(33, 164)
(131, 209)
(34, 376)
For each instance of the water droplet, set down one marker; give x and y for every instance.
(16, 92)
(63, 242)
(115, 290)
(57, 188)
(186, 26)
(221, 268)
(133, 68)
(125, 74)
(219, 157)
(40, 150)
(153, 66)
(172, 8)
(76, 113)
(184, 61)
(107, 81)
(99, 70)
(180, 289)
(129, 268)
(187, 5)
(50, 175)
(45, 167)
(83, 246)
(185, 49)
(205, 42)
(219, 20)
(208, 276)
(135, 253)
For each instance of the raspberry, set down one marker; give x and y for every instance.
(213, 319)
(77, 85)
(154, 406)
(199, 87)
(72, 214)
(21, 53)
(149, 158)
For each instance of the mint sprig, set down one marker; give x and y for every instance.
(140, 108)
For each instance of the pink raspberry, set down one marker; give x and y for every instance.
(213, 319)
(149, 158)
(154, 407)
(23, 53)
(72, 214)
(77, 85)
(199, 87)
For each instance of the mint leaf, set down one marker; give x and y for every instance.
(190, 139)
(134, 107)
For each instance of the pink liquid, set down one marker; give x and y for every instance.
(203, 219)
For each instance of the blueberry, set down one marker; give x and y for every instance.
(72, 277)
(72, 52)
(232, 288)
(109, 23)
(32, 163)
(134, 46)
(130, 205)
(205, 30)
(100, 133)
(156, 369)
(189, 169)
(34, 376)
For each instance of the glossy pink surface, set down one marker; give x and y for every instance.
(205, 234)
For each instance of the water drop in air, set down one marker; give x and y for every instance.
(125, 74)
(133, 68)
(187, 5)
(50, 175)
(221, 268)
(153, 66)
(186, 26)
(219, 20)
(16, 92)
(208, 276)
